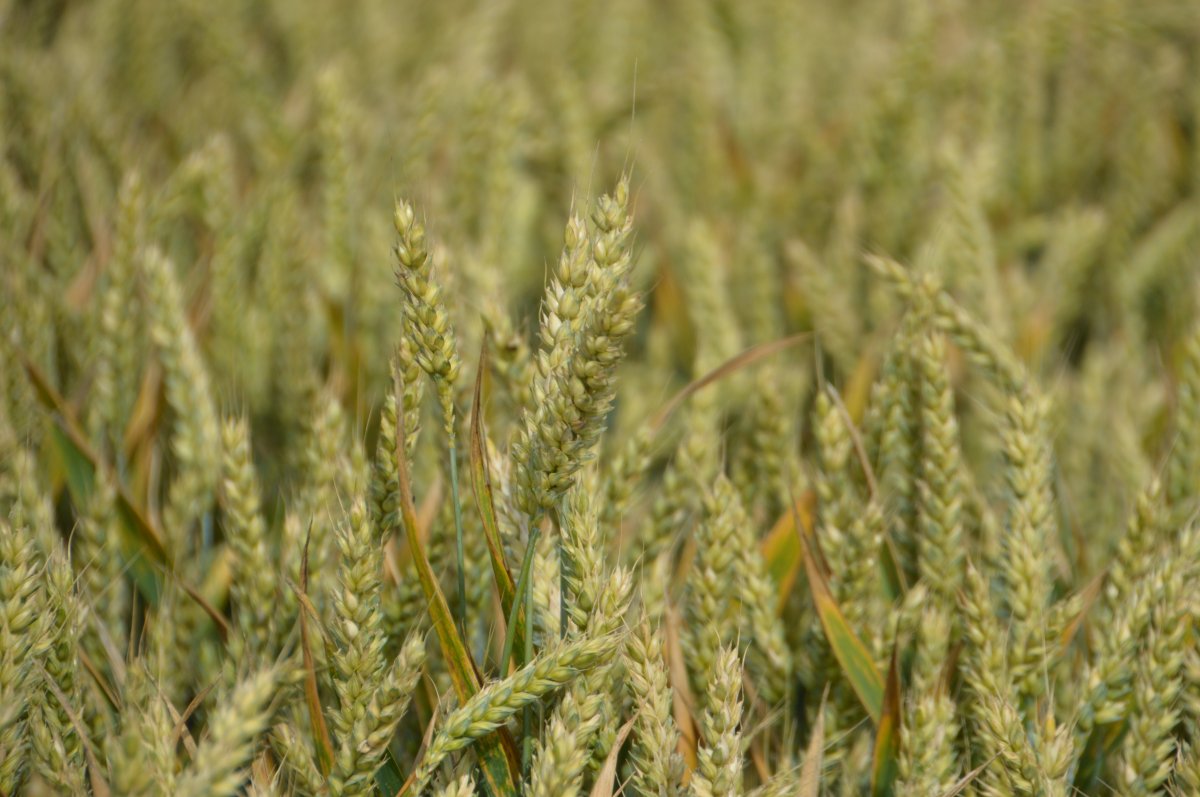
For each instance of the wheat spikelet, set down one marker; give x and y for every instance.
(116, 341)
(575, 387)
(24, 638)
(320, 505)
(599, 691)
(1027, 567)
(1186, 771)
(385, 501)
(56, 743)
(581, 562)
(893, 431)
(561, 757)
(1150, 746)
(372, 693)
(928, 762)
(768, 658)
(196, 435)
(234, 731)
(622, 470)
(656, 763)
(496, 702)
(714, 617)
(687, 477)
(1136, 549)
(425, 313)
(253, 586)
(765, 461)
(985, 665)
(297, 759)
(144, 758)
(334, 135)
(357, 764)
(587, 714)
(97, 557)
(463, 786)
(25, 503)
(837, 491)
(940, 493)
(719, 771)
(975, 339)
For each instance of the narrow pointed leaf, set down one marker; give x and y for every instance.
(848, 649)
(481, 481)
(517, 608)
(730, 366)
(885, 761)
(388, 777)
(781, 549)
(82, 463)
(497, 752)
(312, 698)
(966, 779)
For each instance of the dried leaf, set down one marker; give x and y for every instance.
(606, 777)
(810, 772)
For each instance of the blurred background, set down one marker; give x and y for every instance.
(1042, 159)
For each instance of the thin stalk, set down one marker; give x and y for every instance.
(498, 753)
(562, 575)
(518, 600)
(523, 596)
(458, 537)
(527, 716)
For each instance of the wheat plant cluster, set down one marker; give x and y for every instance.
(691, 398)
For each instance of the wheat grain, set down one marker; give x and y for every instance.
(234, 731)
(253, 587)
(493, 705)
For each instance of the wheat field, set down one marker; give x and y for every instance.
(687, 398)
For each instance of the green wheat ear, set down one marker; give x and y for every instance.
(943, 547)
(941, 494)
(582, 728)
(253, 583)
(929, 761)
(234, 730)
(656, 763)
(196, 432)
(56, 741)
(720, 758)
(24, 634)
(493, 705)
